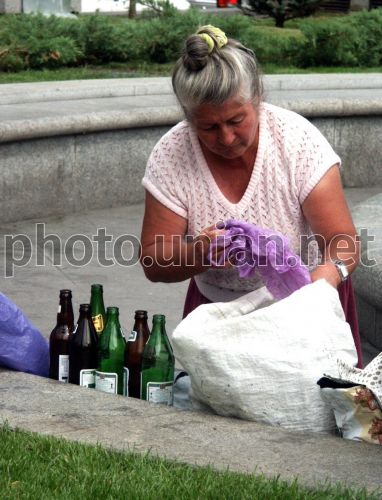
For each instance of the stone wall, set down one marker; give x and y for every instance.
(69, 173)
(10, 6)
(66, 174)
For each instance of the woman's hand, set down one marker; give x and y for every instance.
(327, 272)
(167, 255)
(212, 246)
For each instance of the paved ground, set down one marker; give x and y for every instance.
(35, 285)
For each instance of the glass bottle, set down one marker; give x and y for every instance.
(158, 363)
(111, 352)
(83, 350)
(133, 353)
(98, 308)
(59, 338)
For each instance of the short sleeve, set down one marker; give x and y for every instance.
(315, 156)
(164, 177)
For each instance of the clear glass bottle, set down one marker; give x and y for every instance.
(111, 353)
(158, 364)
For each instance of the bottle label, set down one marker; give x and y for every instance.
(125, 381)
(160, 392)
(87, 378)
(133, 336)
(106, 382)
(63, 368)
(98, 323)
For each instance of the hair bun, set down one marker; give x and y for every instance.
(196, 53)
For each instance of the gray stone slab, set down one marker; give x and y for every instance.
(80, 414)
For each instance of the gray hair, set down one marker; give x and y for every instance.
(200, 77)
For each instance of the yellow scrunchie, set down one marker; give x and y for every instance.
(220, 36)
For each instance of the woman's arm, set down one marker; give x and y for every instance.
(166, 255)
(328, 215)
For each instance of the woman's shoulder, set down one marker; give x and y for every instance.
(175, 137)
(285, 118)
(288, 126)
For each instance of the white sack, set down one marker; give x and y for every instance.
(258, 360)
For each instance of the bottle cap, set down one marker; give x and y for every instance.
(159, 317)
(140, 314)
(112, 310)
(97, 286)
(66, 292)
(84, 307)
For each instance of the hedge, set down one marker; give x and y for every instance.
(37, 42)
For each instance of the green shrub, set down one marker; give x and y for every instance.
(160, 39)
(272, 47)
(100, 39)
(369, 27)
(36, 41)
(354, 40)
(234, 26)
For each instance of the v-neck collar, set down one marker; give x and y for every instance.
(203, 166)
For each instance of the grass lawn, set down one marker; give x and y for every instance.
(44, 468)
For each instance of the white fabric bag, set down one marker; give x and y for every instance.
(260, 360)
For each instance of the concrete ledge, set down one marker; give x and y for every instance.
(20, 130)
(117, 87)
(22, 93)
(79, 414)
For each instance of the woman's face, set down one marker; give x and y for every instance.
(228, 129)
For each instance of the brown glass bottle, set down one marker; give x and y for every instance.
(133, 352)
(83, 350)
(59, 338)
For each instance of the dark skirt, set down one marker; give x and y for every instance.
(194, 299)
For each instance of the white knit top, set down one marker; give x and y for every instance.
(292, 157)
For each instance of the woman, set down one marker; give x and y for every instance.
(236, 157)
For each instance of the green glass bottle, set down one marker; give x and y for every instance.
(98, 308)
(158, 363)
(111, 350)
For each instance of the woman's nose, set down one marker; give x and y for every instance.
(226, 136)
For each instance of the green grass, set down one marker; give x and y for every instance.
(36, 467)
(147, 70)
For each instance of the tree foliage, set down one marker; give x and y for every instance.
(282, 10)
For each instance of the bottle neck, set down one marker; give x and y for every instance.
(97, 296)
(140, 324)
(65, 314)
(158, 329)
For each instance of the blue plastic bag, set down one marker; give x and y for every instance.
(22, 347)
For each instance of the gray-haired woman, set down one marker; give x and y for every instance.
(237, 157)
